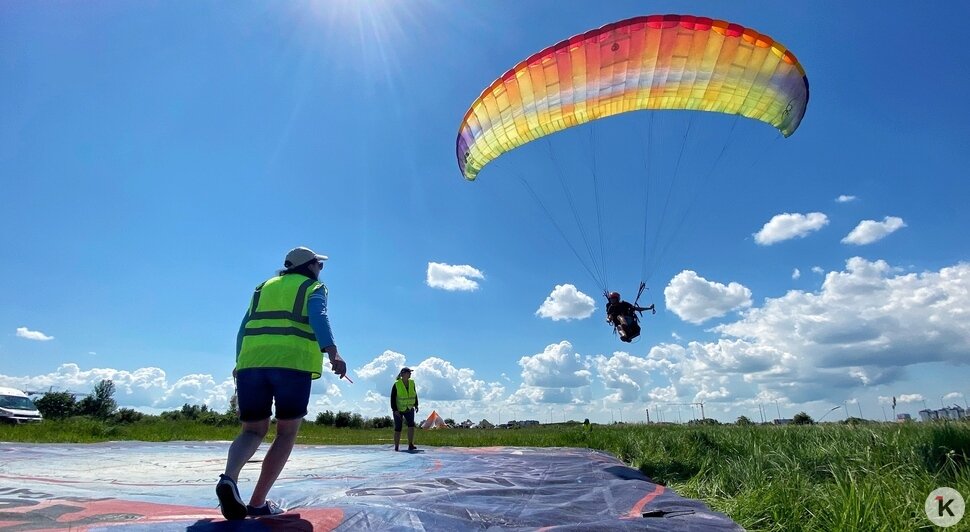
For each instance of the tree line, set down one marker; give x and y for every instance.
(101, 405)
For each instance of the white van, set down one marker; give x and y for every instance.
(16, 407)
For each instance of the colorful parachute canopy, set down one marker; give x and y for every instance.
(652, 62)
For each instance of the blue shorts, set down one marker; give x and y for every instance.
(257, 388)
(406, 416)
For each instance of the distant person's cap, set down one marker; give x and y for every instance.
(405, 370)
(300, 256)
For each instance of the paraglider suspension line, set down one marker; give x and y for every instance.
(561, 232)
(572, 207)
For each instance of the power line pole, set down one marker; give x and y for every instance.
(692, 411)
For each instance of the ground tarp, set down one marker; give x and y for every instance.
(171, 486)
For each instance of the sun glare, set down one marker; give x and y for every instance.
(374, 31)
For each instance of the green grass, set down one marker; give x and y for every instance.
(823, 477)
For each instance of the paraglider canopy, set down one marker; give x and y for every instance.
(651, 62)
(680, 64)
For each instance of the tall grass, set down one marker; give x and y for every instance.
(823, 477)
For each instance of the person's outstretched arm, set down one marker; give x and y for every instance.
(320, 323)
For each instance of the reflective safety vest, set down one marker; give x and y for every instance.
(277, 333)
(406, 396)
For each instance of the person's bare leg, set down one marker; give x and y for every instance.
(275, 459)
(397, 439)
(245, 445)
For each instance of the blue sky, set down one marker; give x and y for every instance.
(157, 160)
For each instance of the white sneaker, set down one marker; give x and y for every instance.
(268, 508)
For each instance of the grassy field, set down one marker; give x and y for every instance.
(822, 477)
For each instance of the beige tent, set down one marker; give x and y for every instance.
(434, 421)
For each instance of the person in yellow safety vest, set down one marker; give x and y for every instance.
(278, 352)
(404, 404)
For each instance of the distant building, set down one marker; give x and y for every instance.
(525, 423)
(484, 424)
(782, 421)
(952, 412)
(903, 418)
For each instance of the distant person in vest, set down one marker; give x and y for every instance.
(278, 352)
(404, 404)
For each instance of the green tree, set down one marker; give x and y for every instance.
(802, 418)
(743, 420)
(57, 405)
(233, 412)
(342, 419)
(100, 404)
(325, 418)
(855, 421)
(127, 415)
(193, 412)
(381, 422)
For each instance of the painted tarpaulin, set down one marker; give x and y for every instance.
(171, 486)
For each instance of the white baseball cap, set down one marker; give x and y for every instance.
(300, 256)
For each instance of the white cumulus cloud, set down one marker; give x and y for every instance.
(566, 303)
(786, 226)
(147, 389)
(910, 398)
(453, 277)
(436, 378)
(868, 315)
(796, 273)
(860, 330)
(695, 299)
(24, 332)
(628, 376)
(439, 379)
(844, 198)
(535, 395)
(869, 231)
(382, 370)
(557, 366)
